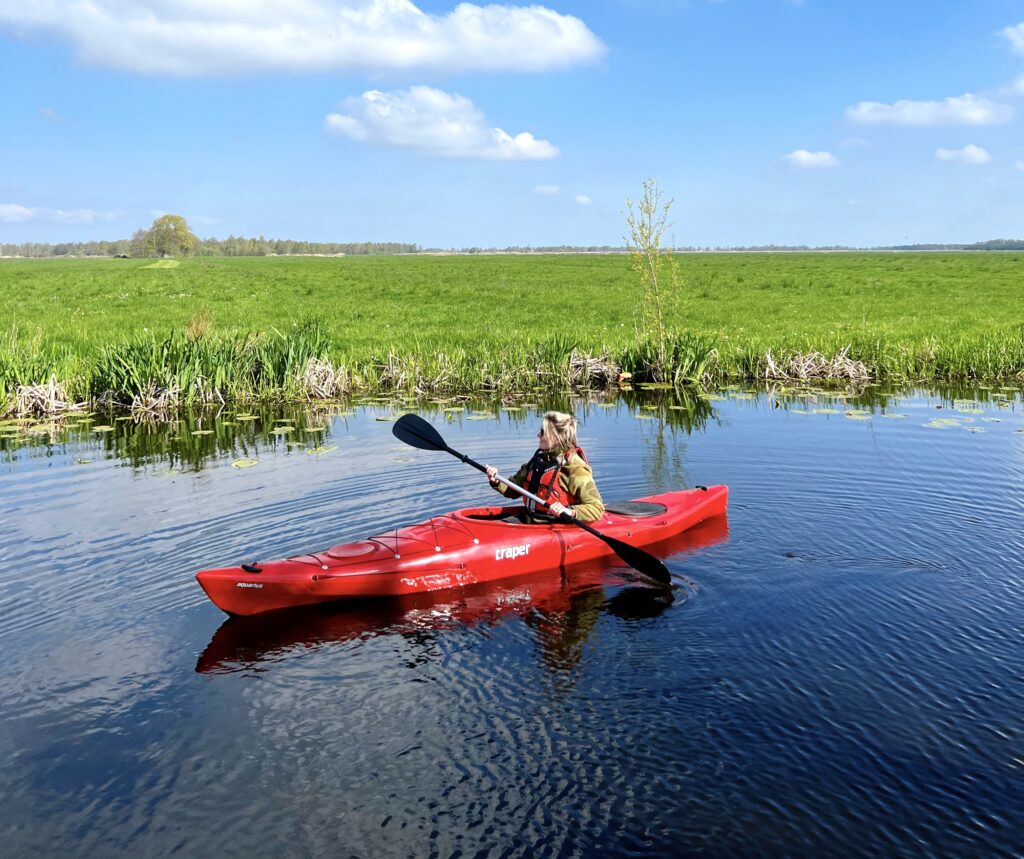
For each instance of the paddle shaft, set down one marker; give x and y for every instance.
(565, 517)
(562, 517)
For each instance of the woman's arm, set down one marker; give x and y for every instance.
(579, 483)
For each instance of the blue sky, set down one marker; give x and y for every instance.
(768, 121)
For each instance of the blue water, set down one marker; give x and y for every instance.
(841, 672)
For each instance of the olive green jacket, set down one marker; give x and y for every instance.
(575, 479)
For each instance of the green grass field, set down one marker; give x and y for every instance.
(925, 315)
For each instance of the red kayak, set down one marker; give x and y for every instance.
(466, 547)
(552, 597)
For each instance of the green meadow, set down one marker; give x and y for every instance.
(459, 322)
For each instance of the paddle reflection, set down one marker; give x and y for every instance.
(561, 607)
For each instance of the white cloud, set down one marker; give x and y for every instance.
(435, 122)
(14, 213)
(970, 154)
(230, 37)
(547, 190)
(52, 115)
(811, 160)
(583, 200)
(967, 109)
(1016, 36)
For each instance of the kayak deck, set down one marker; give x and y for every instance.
(465, 547)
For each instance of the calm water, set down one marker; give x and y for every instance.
(841, 672)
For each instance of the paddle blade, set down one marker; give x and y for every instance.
(640, 560)
(415, 431)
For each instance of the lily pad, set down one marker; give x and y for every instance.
(244, 463)
(827, 412)
(942, 423)
(893, 416)
(283, 430)
(102, 428)
(318, 451)
(202, 432)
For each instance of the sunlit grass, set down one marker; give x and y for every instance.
(443, 324)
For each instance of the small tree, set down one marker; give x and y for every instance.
(138, 244)
(170, 236)
(659, 289)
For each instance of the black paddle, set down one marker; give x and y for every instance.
(415, 431)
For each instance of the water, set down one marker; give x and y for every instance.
(841, 672)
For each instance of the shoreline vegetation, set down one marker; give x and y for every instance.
(153, 338)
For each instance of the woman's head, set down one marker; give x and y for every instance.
(557, 432)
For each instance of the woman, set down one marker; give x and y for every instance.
(558, 472)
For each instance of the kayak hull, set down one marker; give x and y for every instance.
(461, 548)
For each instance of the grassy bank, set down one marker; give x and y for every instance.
(249, 327)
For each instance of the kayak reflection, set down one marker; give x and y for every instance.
(561, 607)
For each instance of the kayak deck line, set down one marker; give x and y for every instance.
(456, 549)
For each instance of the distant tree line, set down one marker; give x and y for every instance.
(232, 246)
(170, 236)
(990, 245)
(531, 249)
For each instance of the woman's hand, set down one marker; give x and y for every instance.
(492, 475)
(557, 509)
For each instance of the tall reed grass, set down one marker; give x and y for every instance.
(148, 373)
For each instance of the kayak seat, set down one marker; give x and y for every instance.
(636, 509)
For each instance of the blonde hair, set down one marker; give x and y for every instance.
(561, 428)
